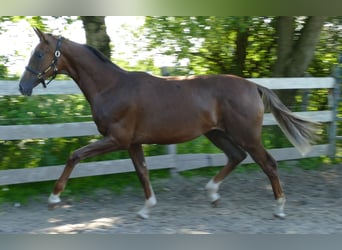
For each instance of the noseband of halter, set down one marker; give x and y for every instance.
(52, 66)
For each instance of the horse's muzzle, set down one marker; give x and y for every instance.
(25, 90)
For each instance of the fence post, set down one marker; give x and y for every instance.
(171, 149)
(335, 97)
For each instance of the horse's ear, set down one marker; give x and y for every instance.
(40, 34)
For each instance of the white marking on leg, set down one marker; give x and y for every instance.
(279, 208)
(212, 189)
(54, 198)
(144, 213)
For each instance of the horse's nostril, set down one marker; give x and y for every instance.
(21, 89)
(25, 91)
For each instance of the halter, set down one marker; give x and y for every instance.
(53, 65)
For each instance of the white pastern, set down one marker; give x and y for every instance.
(279, 208)
(145, 211)
(54, 198)
(212, 189)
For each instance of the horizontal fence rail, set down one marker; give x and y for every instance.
(170, 161)
(74, 129)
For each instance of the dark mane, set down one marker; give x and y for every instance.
(101, 56)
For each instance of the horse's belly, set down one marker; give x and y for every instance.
(173, 129)
(164, 138)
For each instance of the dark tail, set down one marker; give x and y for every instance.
(301, 133)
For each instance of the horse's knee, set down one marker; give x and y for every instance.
(74, 158)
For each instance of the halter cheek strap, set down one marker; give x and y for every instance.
(52, 66)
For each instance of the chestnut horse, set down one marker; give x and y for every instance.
(135, 108)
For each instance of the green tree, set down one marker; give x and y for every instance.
(210, 43)
(246, 46)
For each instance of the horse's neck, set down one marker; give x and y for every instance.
(91, 74)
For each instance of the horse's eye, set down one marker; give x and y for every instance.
(39, 54)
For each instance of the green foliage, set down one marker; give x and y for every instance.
(3, 68)
(208, 42)
(43, 109)
(198, 145)
(214, 44)
(328, 48)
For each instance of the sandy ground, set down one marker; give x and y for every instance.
(314, 205)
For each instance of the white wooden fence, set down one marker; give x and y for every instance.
(178, 162)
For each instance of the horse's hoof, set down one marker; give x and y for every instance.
(281, 216)
(52, 206)
(54, 201)
(143, 215)
(149, 203)
(215, 203)
(279, 208)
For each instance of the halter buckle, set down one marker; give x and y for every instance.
(57, 53)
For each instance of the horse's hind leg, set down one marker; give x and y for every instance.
(137, 155)
(269, 166)
(235, 155)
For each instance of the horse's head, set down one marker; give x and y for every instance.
(42, 64)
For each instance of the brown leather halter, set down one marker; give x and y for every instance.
(52, 66)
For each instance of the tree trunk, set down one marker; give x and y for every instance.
(304, 48)
(295, 52)
(96, 34)
(240, 53)
(284, 28)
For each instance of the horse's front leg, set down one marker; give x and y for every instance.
(102, 146)
(137, 155)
